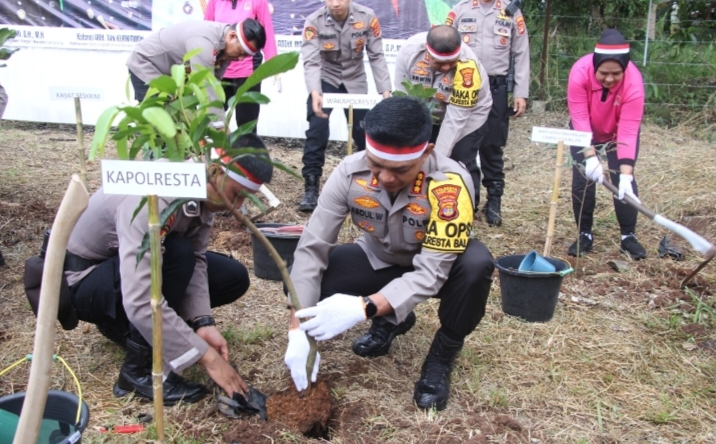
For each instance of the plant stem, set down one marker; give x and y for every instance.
(155, 250)
(280, 263)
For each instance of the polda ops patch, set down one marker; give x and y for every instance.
(466, 84)
(451, 214)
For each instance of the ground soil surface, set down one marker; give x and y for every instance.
(628, 357)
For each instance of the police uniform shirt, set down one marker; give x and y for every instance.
(463, 98)
(335, 54)
(426, 226)
(495, 38)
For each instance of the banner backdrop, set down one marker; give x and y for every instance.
(79, 48)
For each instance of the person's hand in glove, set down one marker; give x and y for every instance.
(625, 187)
(593, 169)
(296, 358)
(332, 316)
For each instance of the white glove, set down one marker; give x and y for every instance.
(297, 356)
(593, 169)
(625, 188)
(332, 316)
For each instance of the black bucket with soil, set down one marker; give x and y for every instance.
(284, 238)
(530, 295)
(59, 421)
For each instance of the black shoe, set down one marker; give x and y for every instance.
(582, 245)
(310, 196)
(433, 388)
(135, 377)
(380, 335)
(633, 248)
(492, 208)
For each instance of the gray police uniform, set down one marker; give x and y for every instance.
(495, 38)
(414, 246)
(461, 104)
(333, 63)
(158, 52)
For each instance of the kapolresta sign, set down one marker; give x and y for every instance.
(166, 179)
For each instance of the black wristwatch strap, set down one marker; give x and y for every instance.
(202, 321)
(370, 308)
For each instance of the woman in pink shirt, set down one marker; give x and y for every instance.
(605, 96)
(234, 11)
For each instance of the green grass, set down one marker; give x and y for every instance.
(256, 335)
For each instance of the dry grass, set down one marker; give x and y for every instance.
(625, 359)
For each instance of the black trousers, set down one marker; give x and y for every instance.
(465, 151)
(584, 192)
(462, 299)
(314, 151)
(98, 297)
(495, 132)
(244, 112)
(140, 88)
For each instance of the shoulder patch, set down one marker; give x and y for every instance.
(521, 27)
(310, 33)
(451, 214)
(375, 26)
(466, 84)
(450, 18)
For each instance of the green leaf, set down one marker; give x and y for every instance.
(134, 113)
(163, 217)
(254, 97)
(122, 141)
(197, 77)
(198, 128)
(179, 75)
(137, 145)
(213, 104)
(104, 124)
(277, 65)
(164, 84)
(191, 54)
(161, 120)
(7, 34)
(5, 53)
(138, 209)
(246, 128)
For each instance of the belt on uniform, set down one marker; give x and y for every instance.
(498, 80)
(78, 263)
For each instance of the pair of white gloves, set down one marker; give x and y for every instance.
(595, 172)
(331, 317)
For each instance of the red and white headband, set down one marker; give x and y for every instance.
(248, 180)
(398, 154)
(442, 56)
(245, 43)
(611, 49)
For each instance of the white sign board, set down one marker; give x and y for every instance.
(359, 101)
(554, 135)
(70, 92)
(166, 179)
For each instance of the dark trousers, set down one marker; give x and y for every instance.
(140, 88)
(98, 297)
(495, 131)
(584, 192)
(314, 151)
(465, 151)
(462, 299)
(244, 112)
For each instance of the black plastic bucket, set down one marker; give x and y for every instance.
(58, 421)
(285, 245)
(530, 295)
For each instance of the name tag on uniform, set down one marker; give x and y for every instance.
(468, 20)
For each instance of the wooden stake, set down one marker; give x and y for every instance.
(155, 250)
(553, 204)
(81, 141)
(347, 223)
(73, 205)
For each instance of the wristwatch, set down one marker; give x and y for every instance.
(201, 321)
(370, 308)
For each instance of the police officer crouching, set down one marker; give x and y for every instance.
(415, 208)
(111, 289)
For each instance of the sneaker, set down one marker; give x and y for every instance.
(632, 248)
(582, 245)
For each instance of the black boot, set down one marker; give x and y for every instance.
(433, 388)
(310, 197)
(380, 335)
(136, 376)
(493, 215)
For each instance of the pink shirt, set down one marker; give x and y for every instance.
(220, 11)
(615, 120)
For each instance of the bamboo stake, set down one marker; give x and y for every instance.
(73, 205)
(347, 223)
(553, 204)
(81, 141)
(155, 250)
(280, 263)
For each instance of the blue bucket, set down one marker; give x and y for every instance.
(536, 263)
